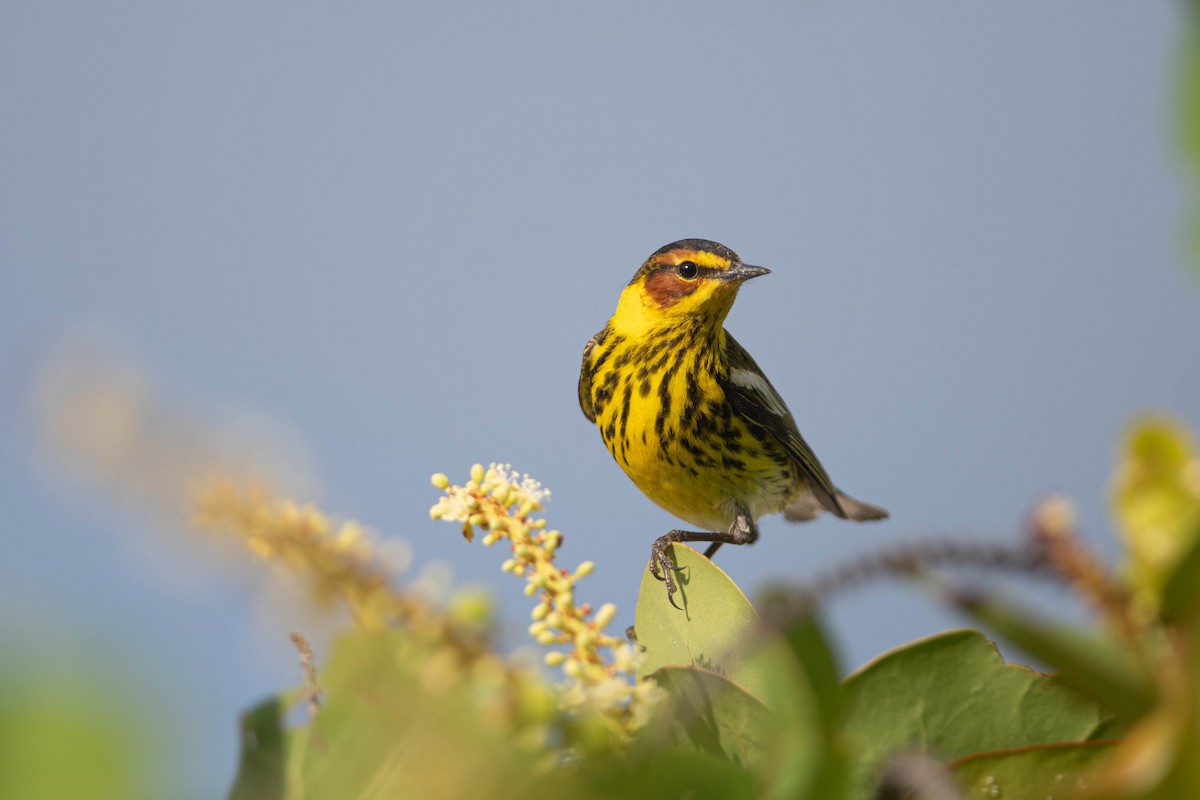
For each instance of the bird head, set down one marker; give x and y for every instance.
(691, 278)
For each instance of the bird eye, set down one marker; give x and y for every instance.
(687, 269)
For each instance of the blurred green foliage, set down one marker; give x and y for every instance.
(1189, 118)
(755, 708)
(73, 729)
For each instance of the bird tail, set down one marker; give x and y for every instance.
(859, 511)
(807, 506)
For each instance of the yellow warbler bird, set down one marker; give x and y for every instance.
(690, 417)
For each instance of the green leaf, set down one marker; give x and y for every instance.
(1102, 668)
(652, 774)
(1055, 770)
(803, 761)
(805, 693)
(794, 674)
(262, 771)
(788, 746)
(1157, 761)
(952, 696)
(396, 721)
(1189, 111)
(706, 712)
(805, 637)
(711, 629)
(382, 733)
(389, 726)
(77, 729)
(1181, 592)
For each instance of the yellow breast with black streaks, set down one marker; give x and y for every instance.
(661, 410)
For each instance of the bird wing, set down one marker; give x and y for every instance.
(756, 400)
(585, 380)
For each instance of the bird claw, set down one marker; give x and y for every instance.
(661, 567)
(661, 564)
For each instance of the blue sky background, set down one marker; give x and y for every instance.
(390, 230)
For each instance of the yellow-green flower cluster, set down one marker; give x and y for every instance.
(1156, 501)
(444, 648)
(341, 559)
(501, 504)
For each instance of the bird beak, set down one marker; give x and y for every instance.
(740, 272)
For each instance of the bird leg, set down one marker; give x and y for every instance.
(742, 531)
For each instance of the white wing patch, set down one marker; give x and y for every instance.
(755, 382)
